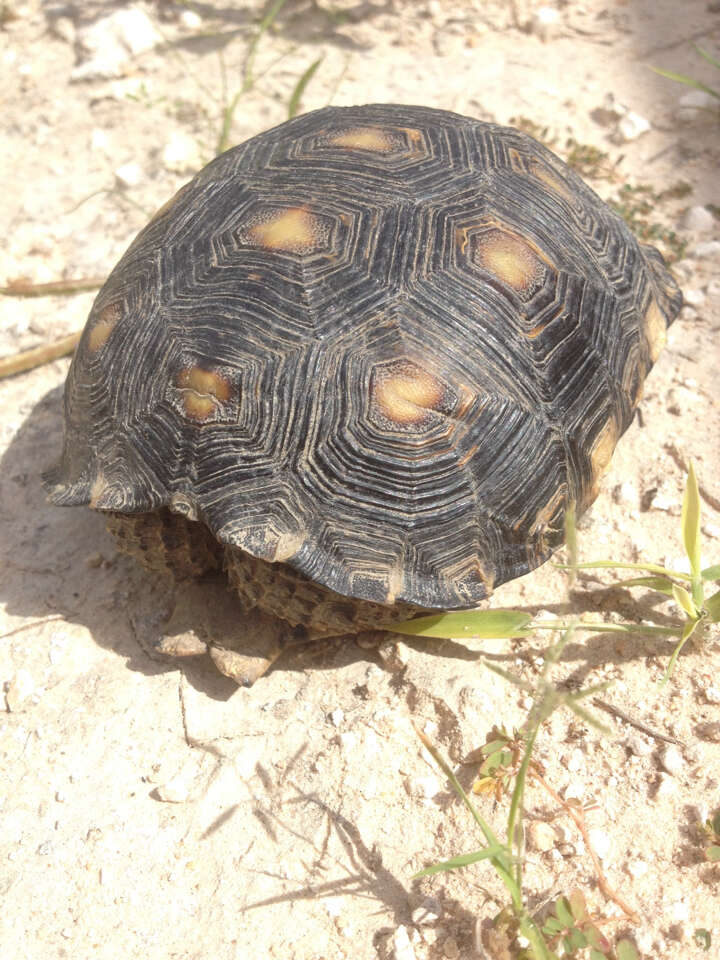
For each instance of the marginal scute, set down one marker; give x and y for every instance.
(602, 449)
(655, 329)
(101, 328)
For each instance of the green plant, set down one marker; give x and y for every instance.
(508, 766)
(636, 204)
(690, 81)
(711, 832)
(687, 589)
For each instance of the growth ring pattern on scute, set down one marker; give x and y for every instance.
(385, 345)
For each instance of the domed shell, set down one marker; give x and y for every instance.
(387, 345)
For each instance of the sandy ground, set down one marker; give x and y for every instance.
(155, 810)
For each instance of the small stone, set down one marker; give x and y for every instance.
(59, 796)
(693, 103)
(545, 23)
(678, 912)
(576, 760)
(601, 842)
(625, 492)
(337, 716)
(348, 740)
(19, 690)
(711, 530)
(699, 220)
(424, 787)
(567, 850)
(709, 731)
(712, 695)
(661, 501)
(394, 654)
(696, 298)
(181, 154)
(632, 126)
(575, 790)
(672, 760)
(174, 791)
(402, 946)
(708, 249)
(190, 20)
(64, 28)
(542, 836)
(638, 745)
(712, 287)
(450, 948)
(107, 44)
(637, 868)
(429, 911)
(667, 786)
(129, 175)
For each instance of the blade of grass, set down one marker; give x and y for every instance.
(691, 533)
(296, 96)
(688, 81)
(480, 624)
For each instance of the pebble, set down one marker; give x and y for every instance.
(661, 501)
(175, 790)
(601, 842)
(711, 530)
(632, 126)
(545, 23)
(425, 787)
(678, 912)
(712, 287)
(625, 492)
(638, 745)
(402, 947)
(576, 761)
(19, 690)
(181, 154)
(712, 694)
(107, 44)
(129, 175)
(190, 20)
(707, 249)
(698, 219)
(667, 786)
(637, 868)
(693, 102)
(429, 911)
(337, 716)
(542, 836)
(695, 297)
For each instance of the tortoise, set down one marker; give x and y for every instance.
(363, 363)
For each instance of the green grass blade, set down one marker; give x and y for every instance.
(684, 600)
(706, 56)
(660, 584)
(296, 96)
(691, 521)
(478, 624)
(612, 565)
(688, 81)
(711, 573)
(688, 631)
(712, 605)
(462, 860)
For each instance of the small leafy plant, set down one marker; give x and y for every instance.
(508, 766)
(688, 589)
(711, 832)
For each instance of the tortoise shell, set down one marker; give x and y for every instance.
(385, 347)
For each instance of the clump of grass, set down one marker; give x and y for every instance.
(711, 834)
(506, 763)
(636, 204)
(509, 766)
